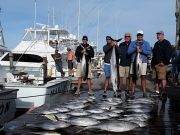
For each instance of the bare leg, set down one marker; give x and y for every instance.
(127, 83)
(156, 85)
(72, 72)
(120, 83)
(163, 84)
(79, 84)
(133, 86)
(143, 83)
(89, 84)
(106, 84)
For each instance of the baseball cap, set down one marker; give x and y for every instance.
(140, 32)
(85, 38)
(160, 32)
(109, 37)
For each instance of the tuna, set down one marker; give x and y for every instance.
(79, 113)
(76, 106)
(84, 122)
(114, 73)
(115, 126)
(96, 111)
(49, 125)
(100, 116)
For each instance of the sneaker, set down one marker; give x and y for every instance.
(90, 92)
(127, 93)
(77, 92)
(164, 94)
(105, 94)
(119, 95)
(115, 94)
(144, 95)
(133, 95)
(62, 75)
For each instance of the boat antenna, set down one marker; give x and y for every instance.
(34, 14)
(79, 18)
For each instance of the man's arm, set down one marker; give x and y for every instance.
(107, 48)
(146, 50)
(132, 48)
(78, 52)
(90, 52)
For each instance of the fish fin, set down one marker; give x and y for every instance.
(51, 117)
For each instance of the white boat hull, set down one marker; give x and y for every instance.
(7, 105)
(30, 96)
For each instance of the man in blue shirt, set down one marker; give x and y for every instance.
(142, 49)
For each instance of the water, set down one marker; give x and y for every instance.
(165, 119)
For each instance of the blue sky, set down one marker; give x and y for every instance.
(115, 18)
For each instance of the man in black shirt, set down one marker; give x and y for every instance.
(125, 61)
(107, 67)
(88, 51)
(58, 62)
(162, 52)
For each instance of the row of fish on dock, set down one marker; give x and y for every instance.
(88, 113)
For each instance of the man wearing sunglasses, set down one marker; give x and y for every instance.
(125, 62)
(88, 51)
(107, 67)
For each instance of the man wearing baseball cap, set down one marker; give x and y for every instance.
(140, 48)
(160, 60)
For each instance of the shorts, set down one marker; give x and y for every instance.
(124, 71)
(159, 72)
(107, 70)
(70, 64)
(143, 69)
(78, 72)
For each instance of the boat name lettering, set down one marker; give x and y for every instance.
(4, 108)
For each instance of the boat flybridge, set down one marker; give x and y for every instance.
(30, 67)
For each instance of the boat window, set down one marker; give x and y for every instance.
(24, 58)
(39, 36)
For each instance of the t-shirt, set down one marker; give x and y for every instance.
(57, 57)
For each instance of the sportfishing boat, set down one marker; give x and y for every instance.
(31, 69)
(7, 96)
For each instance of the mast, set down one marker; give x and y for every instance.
(177, 14)
(2, 43)
(79, 18)
(97, 34)
(34, 14)
(48, 13)
(53, 16)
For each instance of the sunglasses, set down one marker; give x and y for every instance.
(127, 36)
(84, 38)
(108, 39)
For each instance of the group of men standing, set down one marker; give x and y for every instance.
(128, 51)
(126, 57)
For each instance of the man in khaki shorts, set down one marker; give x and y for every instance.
(125, 62)
(142, 48)
(161, 57)
(88, 51)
